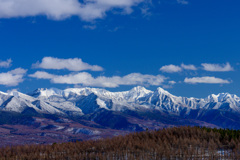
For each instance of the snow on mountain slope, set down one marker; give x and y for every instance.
(139, 97)
(4, 97)
(224, 101)
(19, 102)
(116, 101)
(132, 95)
(163, 100)
(222, 97)
(79, 101)
(41, 92)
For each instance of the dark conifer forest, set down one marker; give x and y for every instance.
(171, 143)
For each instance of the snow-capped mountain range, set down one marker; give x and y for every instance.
(81, 101)
(51, 115)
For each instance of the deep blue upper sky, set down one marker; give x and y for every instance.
(170, 32)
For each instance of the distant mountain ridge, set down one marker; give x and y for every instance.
(54, 115)
(222, 110)
(136, 98)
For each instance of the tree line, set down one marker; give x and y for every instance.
(170, 143)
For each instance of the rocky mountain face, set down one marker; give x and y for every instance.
(98, 109)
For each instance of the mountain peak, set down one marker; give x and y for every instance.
(136, 98)
(44, 92)
(221, 97)
(162, 91)
(140, 89)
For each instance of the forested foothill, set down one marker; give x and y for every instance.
(170, 143)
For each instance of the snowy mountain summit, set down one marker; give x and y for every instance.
(73, 101)
(99, 105)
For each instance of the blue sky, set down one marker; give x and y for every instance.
(190, 48)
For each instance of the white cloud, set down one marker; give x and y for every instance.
(60, 9)
(18, 71)
(188, 67)
(86, 79)
(72, 64)
(172, 82)
(170, 68)
(209, 80)
(6, 64)
(217, 67)
(42, 75)
(13, 77)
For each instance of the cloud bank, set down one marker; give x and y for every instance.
(189, 67)
(217, 67)
(86, 79)
(72, 64)
(170, 68)
(205, 66)
(13, 77)
(6, 64)
(207, 80)
(75, 66)
(87, 10)
(174, 68)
